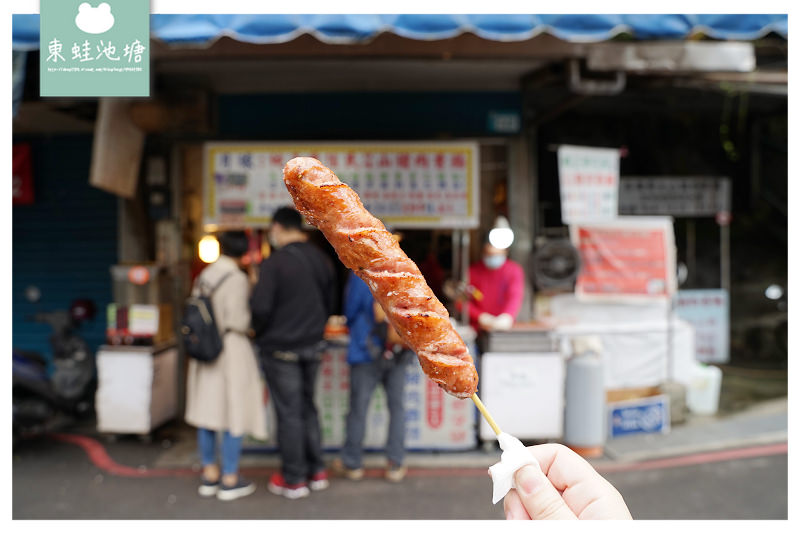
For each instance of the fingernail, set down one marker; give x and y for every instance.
(528, 480)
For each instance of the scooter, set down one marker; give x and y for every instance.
(49, 401)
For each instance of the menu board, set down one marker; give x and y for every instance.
(589, 183)
(435, 420)
(707, 311)
(628, 258)
(405, 184)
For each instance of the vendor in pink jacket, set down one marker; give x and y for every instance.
(499, 285)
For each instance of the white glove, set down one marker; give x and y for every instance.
(503, 322)
(486, 321)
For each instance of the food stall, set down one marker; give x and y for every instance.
(137, 368)
(408, 185)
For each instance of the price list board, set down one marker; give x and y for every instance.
(407, 185)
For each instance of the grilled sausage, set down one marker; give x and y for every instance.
(365, 246)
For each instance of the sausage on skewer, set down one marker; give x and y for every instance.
(365, 246)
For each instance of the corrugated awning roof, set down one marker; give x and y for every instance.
(199, 30)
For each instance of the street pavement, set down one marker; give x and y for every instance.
(89, 477)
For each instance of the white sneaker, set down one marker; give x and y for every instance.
(207, 488)
(277, 485)
(319, 481)
(240, 490)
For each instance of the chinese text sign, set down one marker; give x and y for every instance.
(629, 258)
(589, 183)
(424, 185)
(707, 311)
(433, 419)
(94, 50)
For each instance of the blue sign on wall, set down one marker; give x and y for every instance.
(643, 415)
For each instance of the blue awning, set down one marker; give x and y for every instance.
(349, 29)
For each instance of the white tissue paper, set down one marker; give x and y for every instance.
(514, 457)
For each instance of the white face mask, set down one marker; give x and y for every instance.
(273, 242)
(494, 262)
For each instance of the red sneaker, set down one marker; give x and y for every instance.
(277, 485)
(319, 481)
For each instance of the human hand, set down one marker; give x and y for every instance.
(566, 487)
(486, 321)
(503, 322)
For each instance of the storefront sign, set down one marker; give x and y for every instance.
(95, 48)
(407, 185)
(707, 311)
(629, 258)
(21, 175)
(589, 180)
(508, 122)
(643, 415)
(434, 420)
(691, 196)
(143, 319)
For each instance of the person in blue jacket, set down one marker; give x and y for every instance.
(375, 355)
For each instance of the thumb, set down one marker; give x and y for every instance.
(539, 496)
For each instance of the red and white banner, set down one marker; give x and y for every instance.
(434, 420)
(627, 258)
(22, 175)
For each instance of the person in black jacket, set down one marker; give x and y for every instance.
(290, 306)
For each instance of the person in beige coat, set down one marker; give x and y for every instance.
(226, 395)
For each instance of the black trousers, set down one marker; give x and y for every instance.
(291, 377)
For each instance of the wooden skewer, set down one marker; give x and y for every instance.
(485, 413)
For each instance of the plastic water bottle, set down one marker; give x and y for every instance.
(585, 410)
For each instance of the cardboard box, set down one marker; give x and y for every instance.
(634, 393)
(644, 415)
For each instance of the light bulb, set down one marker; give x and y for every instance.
(774, 292)
(501, 236)
(208, 249)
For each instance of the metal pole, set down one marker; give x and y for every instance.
(464, 269)
(725, 257)
(456, 254)
(725, 238)
(691, 250)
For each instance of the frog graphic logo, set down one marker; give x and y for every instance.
(94, 20)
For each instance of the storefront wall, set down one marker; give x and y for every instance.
(63, 243)
(682, 133)
(373, 116)
(362, 116)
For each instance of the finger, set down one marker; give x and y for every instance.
(581, 487)
(539, 497)
(596, 498)
(514, 508)
(562, 466)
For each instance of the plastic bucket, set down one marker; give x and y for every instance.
(702, 394)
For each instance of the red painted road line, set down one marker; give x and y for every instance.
(699, 458)
(99, 457)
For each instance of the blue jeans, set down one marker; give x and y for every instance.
(364, 377)
(291, 377)
(231, 450)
